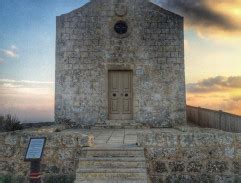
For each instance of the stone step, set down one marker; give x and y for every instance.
(113, 152)
(111, 174)
(119, 124)
(112, 162)
(111, 170)
(111, 181)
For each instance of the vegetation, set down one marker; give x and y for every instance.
(9, 123)
(67, 123)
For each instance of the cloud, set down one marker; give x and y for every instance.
(10, 53)
(218, 93)
(31, 101)
(223, 102)
(216, 16)
(215, 84)
(25, 83)
(237, 98)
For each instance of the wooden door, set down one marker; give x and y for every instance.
(120, 95)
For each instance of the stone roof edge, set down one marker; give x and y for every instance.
(152, 3)
(77, 9)
(165, 10)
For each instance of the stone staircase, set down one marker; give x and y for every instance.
(119, 124)
(125, 164)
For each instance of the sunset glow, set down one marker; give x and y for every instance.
(27, 54)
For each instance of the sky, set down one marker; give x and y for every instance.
(27, 54)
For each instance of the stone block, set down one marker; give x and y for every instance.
(217, 167)
(5, 166)
(171, 140)
(157, 179)
(69, 140)
(187, 140)
(160, 167)
(50, 169)
(66, 154)
(205, 139)
(193, 154)
(204, 178)
(19, 167)
(11, 139)
(144, 139)
(236, 169)
(158, 139)
(6, 151)
(177, 166)
(24, 139)
(194, 166)
(224, 178)
(68, 167)
(86, 140)
(53, 140)
(49, 153)
(229, 152)
(238, 153)
(2, 137)
(238, 139)
(225, 138)
(161, 153)
(173, 178)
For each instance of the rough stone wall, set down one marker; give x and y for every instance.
(192, 155)
(87, 47)
(58, 164)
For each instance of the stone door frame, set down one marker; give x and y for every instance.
(119, 67)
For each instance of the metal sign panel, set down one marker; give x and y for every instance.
(35, 149)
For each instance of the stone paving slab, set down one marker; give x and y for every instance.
(115, 136)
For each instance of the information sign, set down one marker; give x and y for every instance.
(35, 149)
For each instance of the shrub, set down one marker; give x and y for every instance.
(67, 123)
(9, 123)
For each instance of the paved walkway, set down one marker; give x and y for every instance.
(115, 136)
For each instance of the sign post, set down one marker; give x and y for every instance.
(34, 154)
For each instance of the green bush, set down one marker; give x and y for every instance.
(9, 123)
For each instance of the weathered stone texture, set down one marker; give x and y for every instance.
(196, 155)
(87, 47)
(58, 159)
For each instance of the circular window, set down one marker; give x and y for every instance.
(121, 27)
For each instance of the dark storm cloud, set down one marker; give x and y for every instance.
(198, 13)
(215, 84)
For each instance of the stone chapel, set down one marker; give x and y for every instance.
(120, 60)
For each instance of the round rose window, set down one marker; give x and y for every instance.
(121, 27)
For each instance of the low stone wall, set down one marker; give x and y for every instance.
(214, 119)
(192, 155)
(58, 164)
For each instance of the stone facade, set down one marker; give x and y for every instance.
(59, 158)
(184, 154)
(87, 47)
(192, 155)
